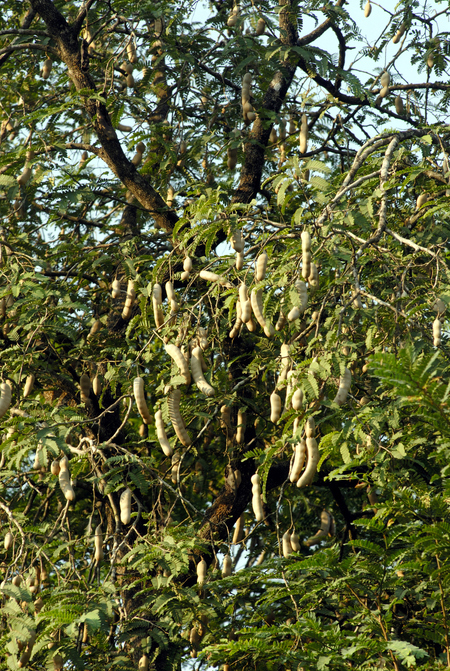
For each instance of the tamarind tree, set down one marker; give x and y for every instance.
(224, 357)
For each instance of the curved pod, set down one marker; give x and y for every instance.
(176, 419)
(139, 395)
(197, 374)
(161, 434)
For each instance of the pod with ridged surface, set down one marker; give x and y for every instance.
(161, 434)
(197, 374)
(177, 355)
(139, 396)
(256, 498)
(157, 302)
(125, 506)
(311, 465)
(286, 544)
(176, 418)
(297, 461)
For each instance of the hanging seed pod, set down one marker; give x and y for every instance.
(275, 407)
(344, 387)
(238, 533)
(261, 266)
(97, 385)
(304, 135)
(227, 566)
(241, 423)
(176, 419)
(311, 464)
(161, 434)
(257, 307)
(326, 521)
(213, 277)
(430, 60)
(157, 302)
(47, 68)
(201, 572)
(24, 178)
(29, 384)
(139, 396)
(231, 158)
(143, 663)
(129, 301)
(437, 332)
(65, 481)
(5, 397)
(187, 264)
(295, 542)
(137, 158)
(399, 34)
(54, 468)
(8, 541)
(273, 137)
(367, 9)
(115, 289)
(98, 543)
(297, 399)
(176, 354)
(85, 389)
(131, 51)
(197, 373)
(399, 105)
(260, 27)
(297, 461)
(421, 200)
(286, 544)
(125, 506)
(256, 498)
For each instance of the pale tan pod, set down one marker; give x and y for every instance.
(384, 91)
(24, 178)
(367, 9)
(176, 419)
(295, 542)
(201, 572)
(399, 105)
(137, 158)
(297, 461)
(125, 506)
(8, 541)
(257, 307)
(187, 264)
(177, 355)
(139, 395)
(256, 498)
(98, 543)
(306, 241)
(17, 580)
(246, 311)
(275, 407)
(143, 663)
(326, 521)
(29, 384)
(115, 289)
(304, 134)
(238, 533)
(97, 385)
(286, 544)
(227, 566)
(5, 397)
(243, 293)
(241, 422)
(129, 300)
(310, 427)
(214, 277)
(261, 266)
(65, 482)
(131, 51)
(161, 434)
(311, 465)
(297, 399)
(385, 79)
(197, 374)
(344, 387)
(47, 68)
(55, 468)
(260, 27)
(437, 332)
(421, 200)
(239, 260)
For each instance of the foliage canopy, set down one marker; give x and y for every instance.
(143, 147)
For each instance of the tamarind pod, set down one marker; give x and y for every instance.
(196, 368)
(241, 421)
(260, 27)
(65, 483)
(201, 572)
(275, 407)
(97, 385)
(286, 544)
(187, 264)
(385, 79)
(177, 355)
(246, 311)
(384, 91)
(125, 506)
(137, 158)
(139, 396)
(437, 332)
(143, 663)
(285, 350)
(214, 277)
(344, 387)
(29, 384)
(256, 498)
(98, 543)
(303, 294)
(158, 314)
(8, 540)
(297, 461)
(115, 289)
(306, 241)
(295, 542)
(185, 275)
(261, 266)
(227, 566)
(251, 325)
(304, 134)
(24, 178)
(175, 467)
(257, 307)
(176, 419)
(47, 68)
(313, 278)
(367, 9)
(297, 399)
(399, 108)
(161, 434)
(310, 427)
(325, 525)
(243, 293)
(238, 323)
(238, 533)
(55, 468)
(129, 300)
(239, 260)
(85, 388)
(64, 463)
(123, 128)
(5, 397)
(236, 241)
(131, 51)
(170, 291)
(311, 465)
(306, 264)
(294, 313)
(281, 321)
